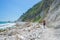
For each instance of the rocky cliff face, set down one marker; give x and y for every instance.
(37, 12)
(53, 16)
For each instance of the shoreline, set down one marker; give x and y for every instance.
(7, 25)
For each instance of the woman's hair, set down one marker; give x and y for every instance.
(44, 23)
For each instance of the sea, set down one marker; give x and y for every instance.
(4, 25)
(3, 22)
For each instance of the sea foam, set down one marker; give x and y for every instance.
(4, 26)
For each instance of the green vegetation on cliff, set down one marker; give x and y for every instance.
(34, 13)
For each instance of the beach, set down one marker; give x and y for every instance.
(28, 31)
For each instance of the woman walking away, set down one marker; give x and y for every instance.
(44, 23)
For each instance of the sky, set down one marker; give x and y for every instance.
(11, 10)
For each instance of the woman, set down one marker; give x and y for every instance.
(44, 23)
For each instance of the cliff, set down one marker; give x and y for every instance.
(37, 12)
(53, 16)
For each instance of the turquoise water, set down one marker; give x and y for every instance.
(3, 22)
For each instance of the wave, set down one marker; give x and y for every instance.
(4, 26)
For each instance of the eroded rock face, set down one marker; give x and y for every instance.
(53, 15)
